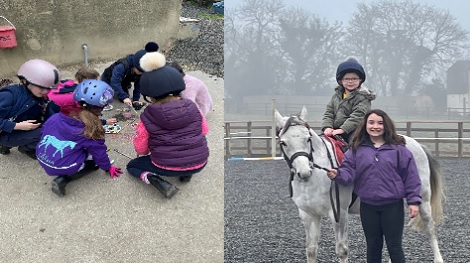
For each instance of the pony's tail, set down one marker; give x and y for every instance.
(437, 193)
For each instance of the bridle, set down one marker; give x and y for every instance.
(291, 122)
(295, 121)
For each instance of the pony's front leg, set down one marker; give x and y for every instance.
(341, 234)
(312, 231)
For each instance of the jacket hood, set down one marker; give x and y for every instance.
(363, 90)
(72, 128)
(168, 118)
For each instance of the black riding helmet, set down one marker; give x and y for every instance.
(350, 66)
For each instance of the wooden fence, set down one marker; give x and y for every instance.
(254, 139)
(406, 112)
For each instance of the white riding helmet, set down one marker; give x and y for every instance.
(40, 73)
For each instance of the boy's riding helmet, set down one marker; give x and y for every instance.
(348, 66)
(149, 47)
(93, 92)
(159, 79)
(39, 73)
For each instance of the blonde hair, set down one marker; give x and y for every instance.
(84, 73)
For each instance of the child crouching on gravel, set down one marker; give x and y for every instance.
(72, 142)
(171, 133)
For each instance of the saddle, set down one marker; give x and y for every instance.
(339, 145)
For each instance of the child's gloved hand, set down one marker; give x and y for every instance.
(114, 172)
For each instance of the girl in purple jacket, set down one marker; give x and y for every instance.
(72, 142)
(171, 133)
(384, 172)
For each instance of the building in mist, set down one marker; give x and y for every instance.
(458, 87)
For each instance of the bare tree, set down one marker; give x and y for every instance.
(231, 47)
(310, 45)
(252, 49)
(405, 44)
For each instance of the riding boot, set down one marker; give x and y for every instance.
(165, 187)
(186, 178)
(59, 184)
(4, 150)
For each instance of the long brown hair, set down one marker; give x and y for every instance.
(93, 127)
(390, 135)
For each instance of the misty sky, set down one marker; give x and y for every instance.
(342, 10)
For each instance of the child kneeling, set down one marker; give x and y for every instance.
(72, 142)
(171, 131)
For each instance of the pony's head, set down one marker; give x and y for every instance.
(295, 143)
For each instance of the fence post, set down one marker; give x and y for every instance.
(273, 129)
(436, 142)
(249, 144)
(227, 142)
(460, 135)
(408, 128)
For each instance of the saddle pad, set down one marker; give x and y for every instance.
(337, 146)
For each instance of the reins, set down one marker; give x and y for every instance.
(336, 212)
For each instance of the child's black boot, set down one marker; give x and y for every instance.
(186, 178)
(4, 150)
(59, 184)
(165, 187)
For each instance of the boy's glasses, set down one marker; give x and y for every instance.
(351, 79)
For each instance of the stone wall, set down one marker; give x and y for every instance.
(56, 30)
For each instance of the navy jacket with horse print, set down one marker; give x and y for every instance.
(176, 139)
(63, 148)
(381, 175)
(347, 113)
(18, 104)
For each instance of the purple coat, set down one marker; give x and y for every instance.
(176, 138)
(63, 148)
(382, 175)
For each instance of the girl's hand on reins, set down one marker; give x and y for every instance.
(332, 174)
(337, 132)
(328, 131)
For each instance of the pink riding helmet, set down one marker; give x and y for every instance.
(40, 73)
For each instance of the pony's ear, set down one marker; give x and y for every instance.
(280, 120)
(303, 113)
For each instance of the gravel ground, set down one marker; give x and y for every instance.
(262, 223)
(205, 52)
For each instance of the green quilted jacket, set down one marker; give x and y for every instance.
(347, 113)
